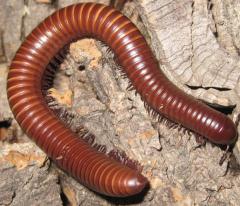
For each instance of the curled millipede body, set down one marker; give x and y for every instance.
(92, 168)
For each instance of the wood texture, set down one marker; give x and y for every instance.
(180, 173)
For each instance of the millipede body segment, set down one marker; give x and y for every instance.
(93, 168)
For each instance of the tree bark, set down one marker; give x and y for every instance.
(197, 44)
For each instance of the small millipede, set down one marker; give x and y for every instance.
(90, 166)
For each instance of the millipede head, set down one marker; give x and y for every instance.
(227, 134)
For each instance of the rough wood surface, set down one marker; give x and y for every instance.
(183, 35)
(197, 43)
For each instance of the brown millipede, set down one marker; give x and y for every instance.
(91, 167)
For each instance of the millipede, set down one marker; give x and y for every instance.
(88, 164)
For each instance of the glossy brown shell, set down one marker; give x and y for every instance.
(74, 155)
